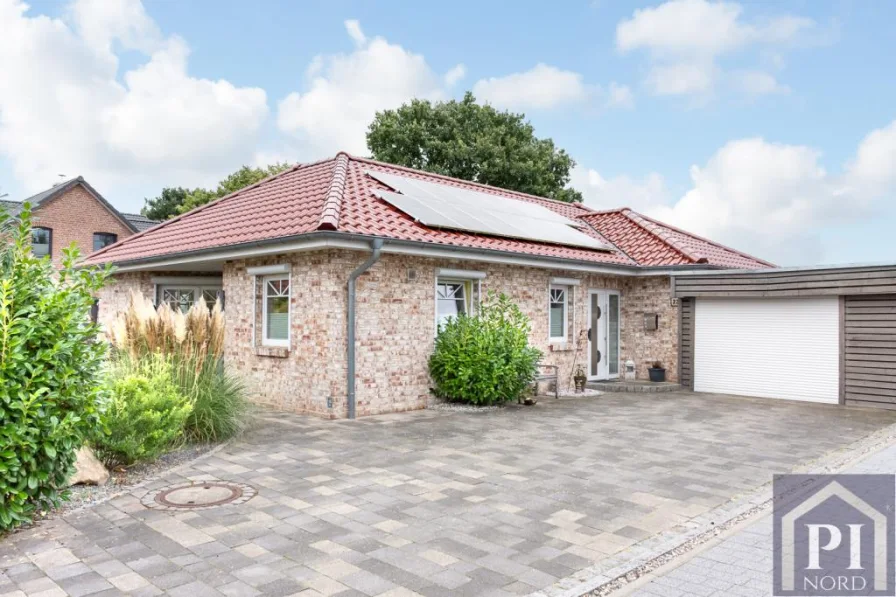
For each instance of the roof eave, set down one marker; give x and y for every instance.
(319, 240)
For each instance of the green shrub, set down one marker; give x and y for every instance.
(218, 398)
(194, 344)
(145, 411)
(485, 358)
(49, 371)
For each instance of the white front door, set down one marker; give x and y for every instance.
(603, 334)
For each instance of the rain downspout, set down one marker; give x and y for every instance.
(376, 245)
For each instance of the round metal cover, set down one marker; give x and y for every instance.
(199, 495)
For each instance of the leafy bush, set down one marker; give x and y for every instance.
(485, 358)
(194, 342)
(145, 412)
(49, 371)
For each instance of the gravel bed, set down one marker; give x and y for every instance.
(122, 479)
(457, 407)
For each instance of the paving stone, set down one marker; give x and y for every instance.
(402, 502)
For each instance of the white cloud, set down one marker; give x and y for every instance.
(686, 38)
(620, 96)
(455, 74)
(620, 191)
(543, 86)
(681, 79)
(755, 82)
(354, 31)
(63, 108)
(765, 198)
(346, 90)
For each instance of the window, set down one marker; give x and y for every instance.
(557, 313)
(275, 310)
(182, 296)
(453, 297)
(103, 239)
(41, 241)
(179, 299)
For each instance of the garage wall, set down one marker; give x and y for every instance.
(769, 348)
(830, 281)
(869, 353)
(686, 339)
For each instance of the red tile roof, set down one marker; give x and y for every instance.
(650, 242)
(337, 195)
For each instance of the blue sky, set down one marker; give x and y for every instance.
(764, 125)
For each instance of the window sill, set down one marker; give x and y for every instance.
(277, 352)
(556, 346)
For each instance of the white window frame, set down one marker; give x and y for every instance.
(197, 285)
(565, 289)
(265, 341)
(472, 282)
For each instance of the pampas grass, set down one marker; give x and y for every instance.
(194, 344)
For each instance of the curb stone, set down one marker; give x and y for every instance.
(617, 571)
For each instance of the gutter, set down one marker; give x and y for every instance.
(342, 240)
(376, 245)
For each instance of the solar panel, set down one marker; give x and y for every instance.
(443, 206)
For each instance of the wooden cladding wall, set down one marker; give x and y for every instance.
(687, 325)
(769, 283)
(869, 352)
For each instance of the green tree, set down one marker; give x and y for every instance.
(165, 205)
(177, 200)
(240, 179)
(467, 140)
(50, 361)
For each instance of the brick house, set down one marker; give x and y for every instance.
(301, 254)
(73, 211)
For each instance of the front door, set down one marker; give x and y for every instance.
(603, 334)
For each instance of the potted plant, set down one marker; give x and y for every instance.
(580, 379)
(657, 372)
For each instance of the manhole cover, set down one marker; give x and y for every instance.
(204, 494)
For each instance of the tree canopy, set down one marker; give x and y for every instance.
(177, 200)
(474, 142)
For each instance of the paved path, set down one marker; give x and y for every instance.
(741, 565)
(433, 503)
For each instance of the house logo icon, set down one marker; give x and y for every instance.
(834, 535)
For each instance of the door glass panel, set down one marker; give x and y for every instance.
(613, 333)
(593, 334)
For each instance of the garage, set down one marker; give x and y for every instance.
(769, 348)
(825, 334)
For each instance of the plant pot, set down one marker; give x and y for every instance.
(657, 375)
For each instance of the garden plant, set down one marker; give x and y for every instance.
(485, 358)
(50, 364)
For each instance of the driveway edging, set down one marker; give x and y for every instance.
(654, 552)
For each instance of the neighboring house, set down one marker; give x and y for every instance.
(286, 252)
(73, 211)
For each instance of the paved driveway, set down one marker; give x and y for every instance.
(434, 503)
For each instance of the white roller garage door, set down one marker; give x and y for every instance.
(770, 348)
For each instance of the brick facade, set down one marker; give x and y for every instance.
(74, 216)
(396, 325)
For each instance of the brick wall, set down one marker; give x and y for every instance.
(74, 216)
(396, 326)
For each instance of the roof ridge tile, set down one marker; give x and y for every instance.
(651, 227)
(704, 239)
(329, 216)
